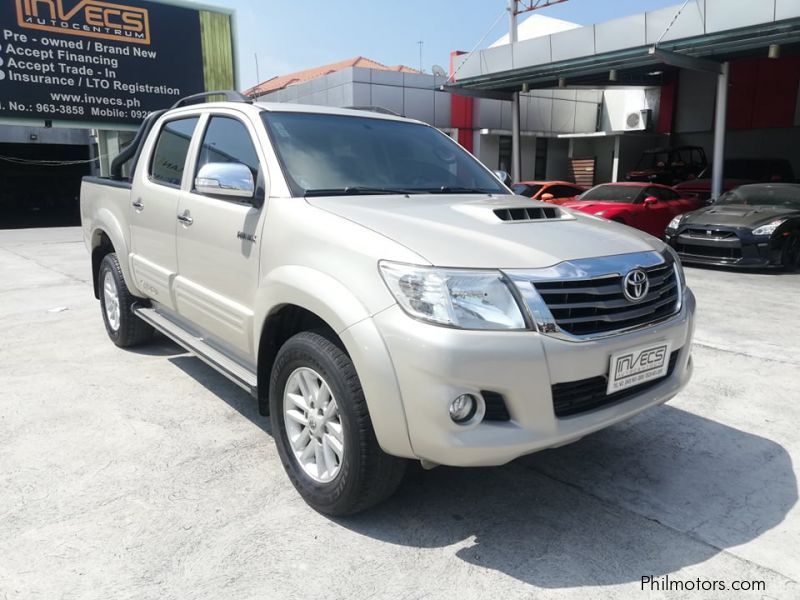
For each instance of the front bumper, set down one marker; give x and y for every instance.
(723, 246)
(434, 364)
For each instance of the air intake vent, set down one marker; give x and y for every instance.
(532, 213)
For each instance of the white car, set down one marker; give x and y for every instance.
(379, 291)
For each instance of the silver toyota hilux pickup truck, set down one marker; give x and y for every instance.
(381, 294)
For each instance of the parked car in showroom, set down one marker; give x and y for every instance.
(645, 206)
(380, 293)
(669, 166)
(554, 192)
(755, 225)
(739, 171)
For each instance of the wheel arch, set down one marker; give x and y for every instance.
(341, 318)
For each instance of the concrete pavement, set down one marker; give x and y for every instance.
(145, 474)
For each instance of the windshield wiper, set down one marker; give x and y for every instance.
(447, 189)
(355, 190)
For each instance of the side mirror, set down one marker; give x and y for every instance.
(546, 197)
(504, 177)
(231, 180)
(650, 200)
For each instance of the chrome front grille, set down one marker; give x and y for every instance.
(584, 299)
(598, 305)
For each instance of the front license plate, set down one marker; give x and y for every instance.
(637, 365)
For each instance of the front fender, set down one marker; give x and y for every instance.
(335, 304)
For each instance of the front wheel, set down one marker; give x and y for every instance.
(323, 431)
(790, 255)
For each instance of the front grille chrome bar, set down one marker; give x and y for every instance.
(583, 299)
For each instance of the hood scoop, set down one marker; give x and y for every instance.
(531, 213)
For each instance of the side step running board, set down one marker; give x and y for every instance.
(238, 374)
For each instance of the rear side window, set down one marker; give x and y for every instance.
(172, 146)
(227, 140)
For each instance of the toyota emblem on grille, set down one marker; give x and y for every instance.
(636, 285)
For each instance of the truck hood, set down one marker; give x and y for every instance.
(734, 215)
(464, 231)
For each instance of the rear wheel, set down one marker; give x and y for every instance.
(323, 431)
(790, 255)
(116, 302)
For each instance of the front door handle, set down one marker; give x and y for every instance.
(138, 205)
(185, 218)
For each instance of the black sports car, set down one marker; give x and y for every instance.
(754, 225)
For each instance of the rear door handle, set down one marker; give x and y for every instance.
(138, 205)
(185, 218)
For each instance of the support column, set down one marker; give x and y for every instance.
(720, 123)
(615, 160)
(516, 149)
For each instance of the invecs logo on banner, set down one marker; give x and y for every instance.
(88, 18)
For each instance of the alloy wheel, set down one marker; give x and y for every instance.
(313, 425)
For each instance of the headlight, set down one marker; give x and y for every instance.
(453, 297)
(600, 213)
(675, 223)
(769, 228)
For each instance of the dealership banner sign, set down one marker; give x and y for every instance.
(97, 61)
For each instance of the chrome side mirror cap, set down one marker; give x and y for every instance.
(232, 180)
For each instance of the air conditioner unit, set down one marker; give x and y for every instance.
(638, 120)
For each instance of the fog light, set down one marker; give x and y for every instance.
(463, 408)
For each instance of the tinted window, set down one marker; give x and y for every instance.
(661, 194)
(172, 146)
(563, 191)
(625, 194)
(337, 154)
(526, 190)
(227, 140)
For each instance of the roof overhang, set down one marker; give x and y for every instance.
(641, 65)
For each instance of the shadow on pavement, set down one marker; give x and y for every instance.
(232, 394)
(593, 513)
(666, 490)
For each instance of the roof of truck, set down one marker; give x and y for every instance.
(365, 112)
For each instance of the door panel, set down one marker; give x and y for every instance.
(155, 196)
(218, 271)
(218, 252)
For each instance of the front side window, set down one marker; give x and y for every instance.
(227, 140)
(325, 154)
(172, 146)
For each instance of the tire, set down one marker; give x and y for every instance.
(360, 474)
(123, 327)
(790, 254)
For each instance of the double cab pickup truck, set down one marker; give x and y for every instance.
(381, 294)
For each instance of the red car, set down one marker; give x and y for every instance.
(646, 206)
(548, 191)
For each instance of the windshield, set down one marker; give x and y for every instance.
(624, 194)
(763, 195)
(523, 189)
(324, 154)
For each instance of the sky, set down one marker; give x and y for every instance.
(290, 35)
